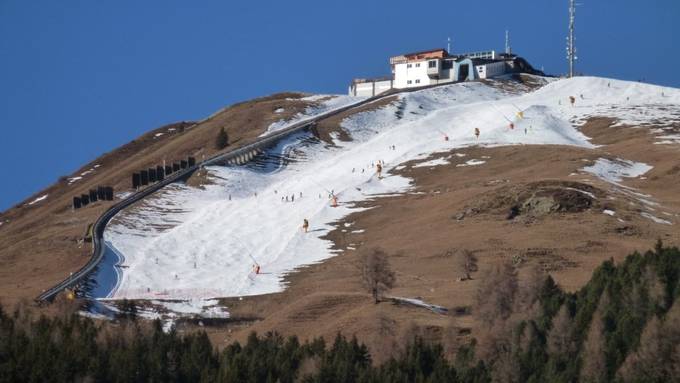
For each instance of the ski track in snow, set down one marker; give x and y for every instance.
(188, 243)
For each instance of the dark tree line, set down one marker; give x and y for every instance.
(624, 325)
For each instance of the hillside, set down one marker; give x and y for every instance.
(563, 190)
(566, 188)
(41, 237)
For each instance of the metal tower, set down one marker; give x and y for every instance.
(507, 42)
(571, 40)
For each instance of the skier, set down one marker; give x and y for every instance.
(446, 137)
(334, 201)
(379, 170)
(512, 126)
(256, 269)
(305, 225)
(477, 133)
(572, 100)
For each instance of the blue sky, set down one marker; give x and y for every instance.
(79, 78)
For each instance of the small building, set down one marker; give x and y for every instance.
(437, 66)
(370, 87)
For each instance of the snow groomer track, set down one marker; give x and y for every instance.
(237, 156)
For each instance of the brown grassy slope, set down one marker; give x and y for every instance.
(421, 231)
(38, 243)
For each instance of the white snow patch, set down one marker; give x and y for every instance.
(42, 197)
(614, 171)
(358, 231)
(432, 163)
(123, 195)
(655, 219)
(204, 308)
(472, 162)
(325, 103)
(609, 212)
(279, 110)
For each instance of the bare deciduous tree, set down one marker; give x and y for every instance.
(377, 275)
(496, 294)
(594, 366)
(466, 261)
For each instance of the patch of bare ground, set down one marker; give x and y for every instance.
(41, 243)
(559, 227)
(518, 83)
(200, 179)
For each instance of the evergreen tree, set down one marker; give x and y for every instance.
(222, 139)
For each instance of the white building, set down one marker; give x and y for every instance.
(437, 66)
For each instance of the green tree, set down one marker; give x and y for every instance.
(222, 139)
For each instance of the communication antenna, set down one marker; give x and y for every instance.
(571, 40)
(507, 42)
(448, 45)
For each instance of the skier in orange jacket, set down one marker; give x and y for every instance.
(477, 133)
(379, 170)
(305, 225)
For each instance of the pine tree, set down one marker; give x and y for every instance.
(222, 139)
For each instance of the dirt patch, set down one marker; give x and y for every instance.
(534, 200)
(199, 179)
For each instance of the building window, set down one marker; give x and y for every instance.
(409, 82)
(417, 65)
(408, 65)
(447, 64)
(432, 64)
(417, 81)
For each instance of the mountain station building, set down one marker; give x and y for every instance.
(437, 66)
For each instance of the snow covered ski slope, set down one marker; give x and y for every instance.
(189, 243)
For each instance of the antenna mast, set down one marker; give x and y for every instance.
(507, 42)
(448, 45)
(571, 41)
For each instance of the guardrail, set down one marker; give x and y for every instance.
(263, 142)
